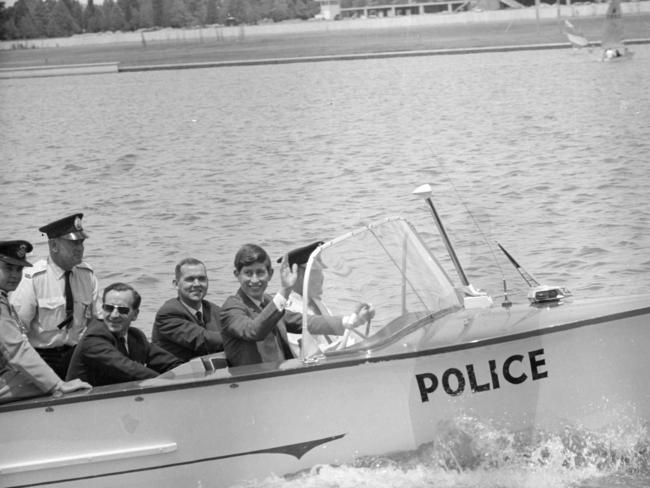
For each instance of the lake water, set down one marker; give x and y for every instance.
(546, 152)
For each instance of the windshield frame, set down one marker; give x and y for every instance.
(390, 332)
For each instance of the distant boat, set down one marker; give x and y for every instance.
(575, 37)
(612, 44)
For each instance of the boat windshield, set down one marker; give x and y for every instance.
(386, 265)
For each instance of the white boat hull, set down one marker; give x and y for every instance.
(518, 368)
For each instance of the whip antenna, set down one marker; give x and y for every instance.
(469, 212)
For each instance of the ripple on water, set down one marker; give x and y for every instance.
(556, 170)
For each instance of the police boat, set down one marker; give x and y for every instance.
(431, 352)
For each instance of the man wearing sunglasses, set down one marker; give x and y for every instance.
(111, 351)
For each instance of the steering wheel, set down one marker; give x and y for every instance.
(345, 338)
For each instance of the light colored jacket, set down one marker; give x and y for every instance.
(23, 373)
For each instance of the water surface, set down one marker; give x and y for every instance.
(545, 152)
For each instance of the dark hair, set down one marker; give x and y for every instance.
(249, 254)
(188, 261)
(124, 287)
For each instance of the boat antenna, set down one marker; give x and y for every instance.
(471, 215)
(425, 191)
(528, 278)
(537, 293)
(473, 298)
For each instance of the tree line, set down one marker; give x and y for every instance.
(29, 19)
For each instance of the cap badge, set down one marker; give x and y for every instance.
(21, 251)
(77, 223)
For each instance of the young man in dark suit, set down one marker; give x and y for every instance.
(254, 325)
(188, 325)
(111, 351)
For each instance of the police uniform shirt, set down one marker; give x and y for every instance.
(22, 371)
(40, 303)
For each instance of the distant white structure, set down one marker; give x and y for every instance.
(329, 9)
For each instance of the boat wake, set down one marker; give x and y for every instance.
(472, 454)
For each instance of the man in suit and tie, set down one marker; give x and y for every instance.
(58, 296)
(111, 351)
(188, 326)
(254, 325)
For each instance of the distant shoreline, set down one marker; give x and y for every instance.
(350, 57)
(351, 43)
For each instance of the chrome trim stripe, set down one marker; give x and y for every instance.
(296, 450)
(91, 457)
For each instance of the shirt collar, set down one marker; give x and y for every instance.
(257, 302)
(192, 310)
(58, 271)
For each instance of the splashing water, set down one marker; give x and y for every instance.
(471, 454)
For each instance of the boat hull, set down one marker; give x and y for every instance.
(547, 369)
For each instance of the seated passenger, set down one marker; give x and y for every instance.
(113, 352)
(316, 306)
(23, 373)
(188, 326)
(295, 302)
(300, 256)
(254, 325)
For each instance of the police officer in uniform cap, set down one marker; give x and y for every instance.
(315, 304)
(23, 373)
(300, 256)
(59, 295)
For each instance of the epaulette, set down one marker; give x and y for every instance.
(38, 268)
(84, 265)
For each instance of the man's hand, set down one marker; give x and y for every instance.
(362, 314)
(70, 386)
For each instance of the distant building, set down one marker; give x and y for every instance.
(329, 9)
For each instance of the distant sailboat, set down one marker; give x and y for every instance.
(575, 37)
(612, 44)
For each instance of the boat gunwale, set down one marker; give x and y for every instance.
(126, 390)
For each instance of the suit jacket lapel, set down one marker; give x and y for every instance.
(278, 333)
(251, 304)
(188, 313)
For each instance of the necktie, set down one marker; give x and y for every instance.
(121, 340)
(69, 302)
(199, 319)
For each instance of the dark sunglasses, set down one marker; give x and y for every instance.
(121, 310)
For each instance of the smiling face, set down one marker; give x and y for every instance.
(118, 323)
(192, 284)
(10, 276)
(253, 279)
(66, 253)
